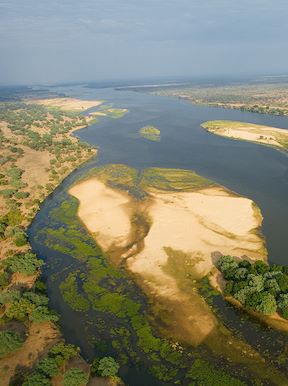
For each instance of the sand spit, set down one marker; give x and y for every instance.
(71, 104)
(266, 135)
(185, 229)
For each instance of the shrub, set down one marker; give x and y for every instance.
(9, 342)
(49, 366)
(4, 280)
(37, 379)
(26, 263)
(108, 367)
(263, 302)
(75, 377)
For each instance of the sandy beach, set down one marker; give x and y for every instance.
(71, 104)
(266, 135)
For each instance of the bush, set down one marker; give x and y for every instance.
(49, 366)
(9, 342)
(37, 379)
(108, 367)
(4, 280)
(26, 263)
(75, 377)
(66, 351)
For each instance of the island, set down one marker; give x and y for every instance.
(207, 217)
(150, 132)
(265, 135)
(133, 217)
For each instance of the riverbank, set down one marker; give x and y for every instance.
(265, 135)
(38, 151)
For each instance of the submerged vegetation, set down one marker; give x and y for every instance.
(256, 285)
(150, 132)
(125, 328)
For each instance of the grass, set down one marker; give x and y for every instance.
(214, 125)
(150, 132)
(174, 179)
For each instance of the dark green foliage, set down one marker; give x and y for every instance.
(9, 342)
(257, 286)
(71, 295)
(26, 263)
(37, 379)
(75, 377)
(4, 280)
(30, 306)
(49, 366)
(9, 296)
(263, 302)
(108, 367)
(203, 373)
(65, 351)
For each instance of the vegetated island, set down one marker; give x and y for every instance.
(37, 153)
(266, 135)
(167, 226)
(151, 133)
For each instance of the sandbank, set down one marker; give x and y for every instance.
(266, 135)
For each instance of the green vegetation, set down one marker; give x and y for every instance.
(26, 263)
(107, 367)
(52, 365)
(127, 178)
(228, 124)
(75, 377)
(150, 132)
(174, 179)
(112, 112)
(202, 373)
(262, 97)
(125, 328)
(257, 286)
(27, 306)
(70, 289)
(9, 342)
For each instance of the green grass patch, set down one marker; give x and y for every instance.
(150, 132)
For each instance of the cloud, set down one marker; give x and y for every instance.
(64, 28)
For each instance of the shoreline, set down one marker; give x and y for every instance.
(52, 333)
(242, 131)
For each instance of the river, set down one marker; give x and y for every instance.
(255, 171)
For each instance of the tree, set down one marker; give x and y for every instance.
(9, 342)
(43, 314)
(20, 309)
(263, 302)
(49, 366)
(75, 377)
(26, 263)
(283, 305)
(4, 280)
(228, 266)
(283, 282)
(37, 379)
(255, 281)
(66, 351)
(108, 367)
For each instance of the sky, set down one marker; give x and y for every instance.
(52, 41)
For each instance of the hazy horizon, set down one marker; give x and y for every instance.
(70, 41)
